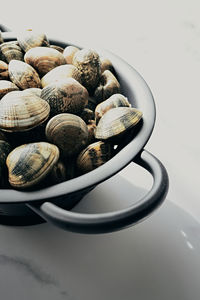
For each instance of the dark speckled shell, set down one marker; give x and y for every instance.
(88, 62)
(65, 96)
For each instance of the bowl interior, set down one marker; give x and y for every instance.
(135, 88)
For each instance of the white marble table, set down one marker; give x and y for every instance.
(159, 258)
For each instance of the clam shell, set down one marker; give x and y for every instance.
(106, 64)
(23, 75)
(65, 96)
(117, 121)
(11, 50)
(115, 100)
(21, 112)
(29, 39)
(88, 63)
(58, 173)
(69, 132)
(29, 164)
(6, 87)
(44, 59)
(60, 49)
(33, 91)
(94, 156)
(60, 73)
(3, 70)
(69, 53)
(108, 85)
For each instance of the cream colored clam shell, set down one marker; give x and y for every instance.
(20, 111)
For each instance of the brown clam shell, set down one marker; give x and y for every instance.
(6, 87)
(3, 70)
(29, 164)
(117, 121)
(87, 115)
(108, 85)
(65, 96)
(69, 53)
(106, 64)
(93, 156)
(113, 101)
(23, 75)
(69, 132)
(44, 59)
(11, 50)
(60, 49)
(60, 73)
(29, 39)
(21, 112)
(88, 63)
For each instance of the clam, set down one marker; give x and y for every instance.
(29, 164)
(88, 62)
(33, 91)
(69, 132)
(3, 70)
(93, 156)
(106, 64)
(29, 39)
(21, 112)
(108, 85)
(23, 75)
(60, 73)
(6, 87)
(44, 59)
(69, 53)
(11, 50)
(117, 121)
(65, 96)
(113, 101)
(60, 49)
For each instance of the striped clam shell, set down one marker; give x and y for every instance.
(29, 39)
(44, 59)
(115, 100)
(11, 50)
(117, 121)
(93, 156)
(60, 73)
(29, 164)
(21, 112)
(65, 96)
(6, 87)
(69, 132)
(23, 75)
(33, 91)
(3, 70)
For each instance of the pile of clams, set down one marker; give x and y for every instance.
(62, 113)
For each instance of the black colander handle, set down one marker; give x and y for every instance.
(112, 221)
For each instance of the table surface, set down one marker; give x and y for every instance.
(161, 40)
